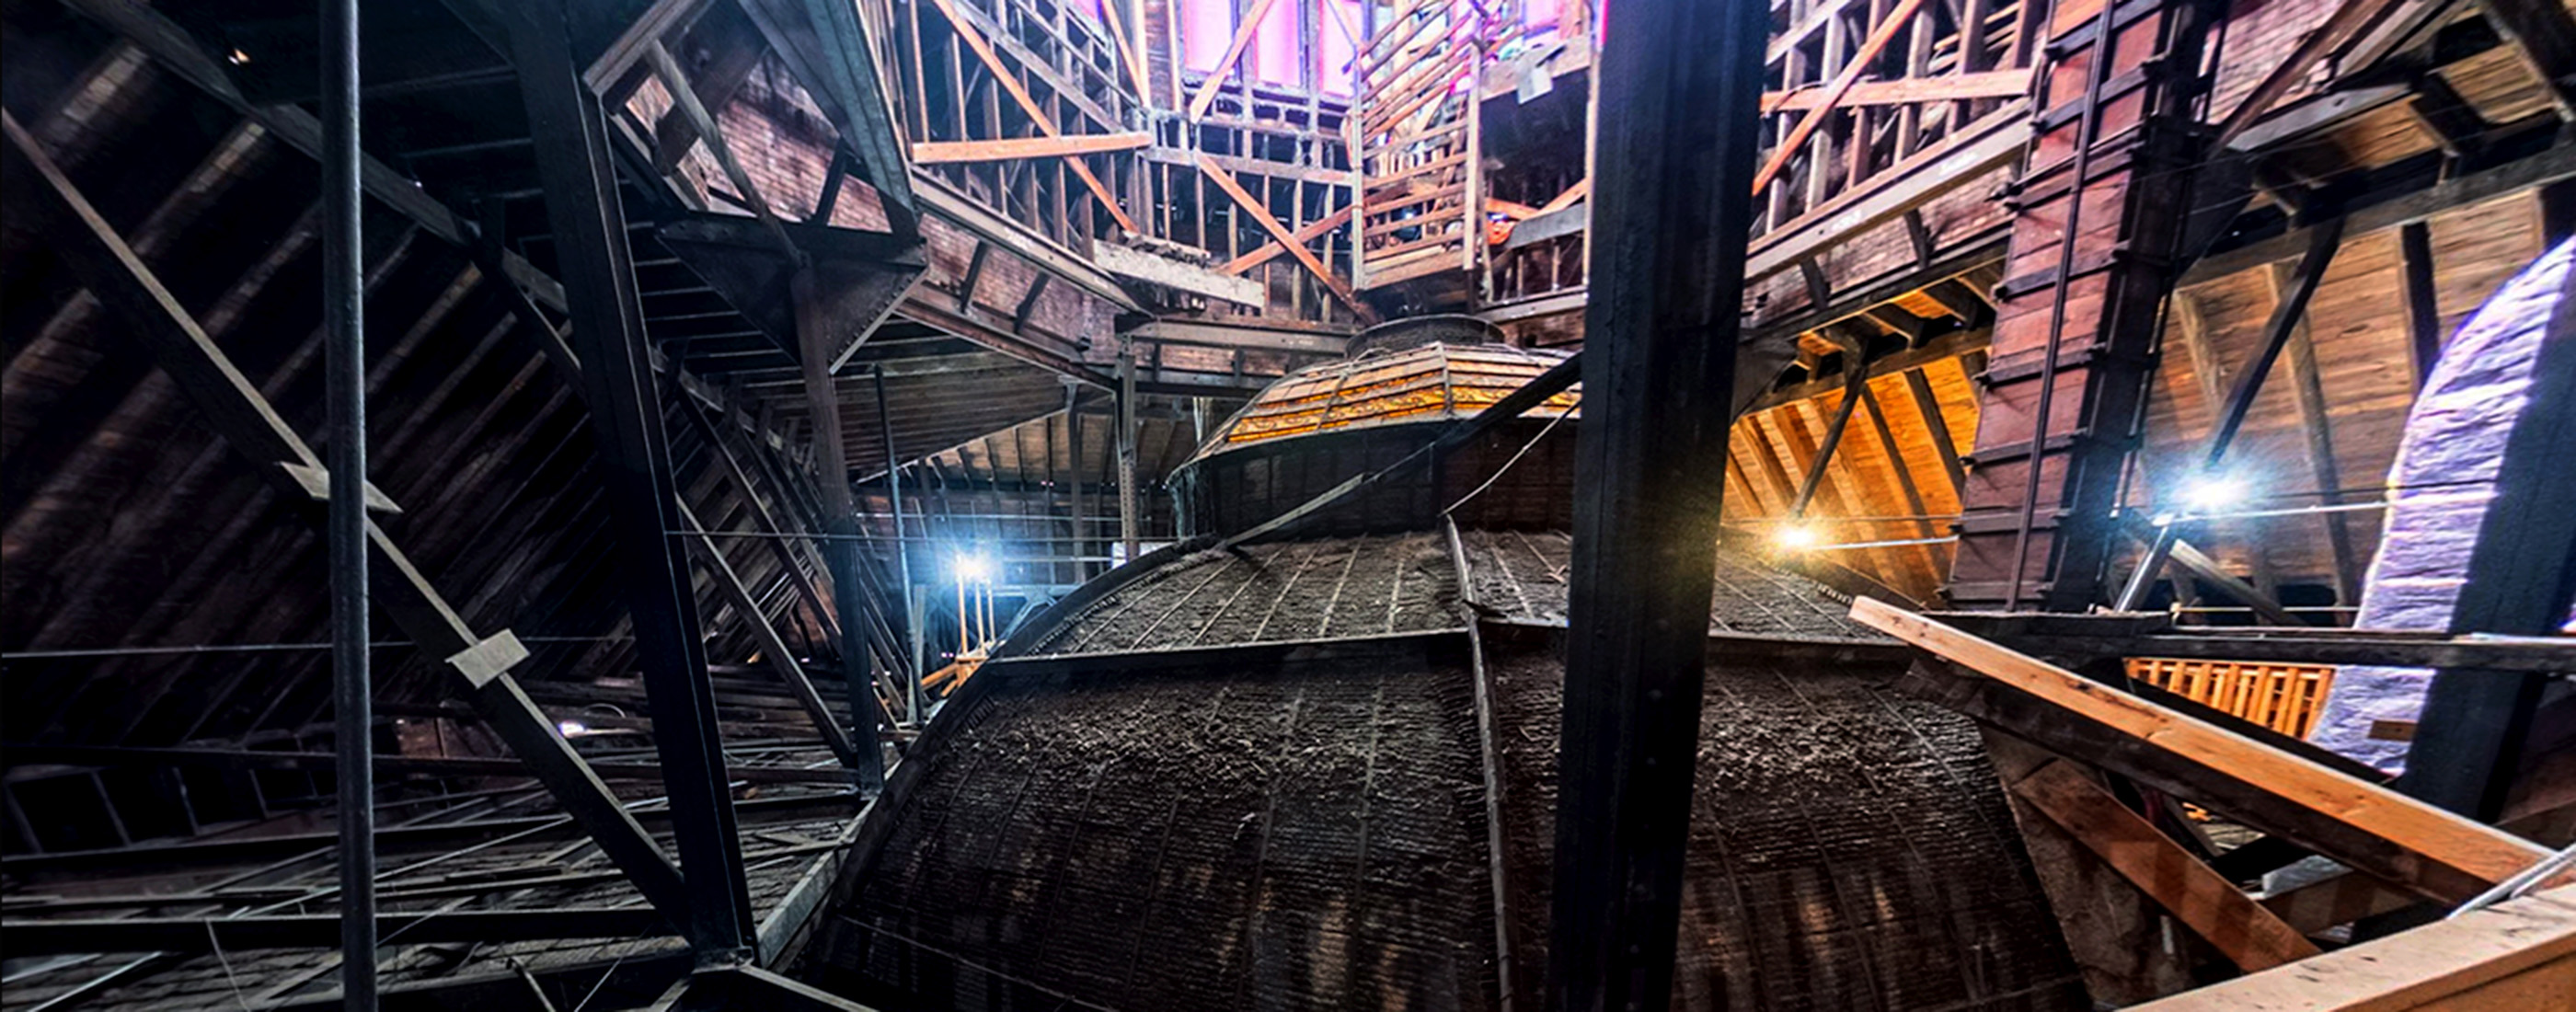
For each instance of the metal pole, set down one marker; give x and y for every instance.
(345, 378)
(1073, 449)
(1127, 451)
(894, 487)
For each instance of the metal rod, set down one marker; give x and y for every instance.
(345, 362)
(894, 485)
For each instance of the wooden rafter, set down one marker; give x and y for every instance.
(1028, 103)
(1062, 146)
(2251, 937)
(2364, 825)
(1252, 208)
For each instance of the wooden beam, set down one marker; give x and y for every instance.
(1252, 208)
(2519, 954)
(1906, 91)
(1019, 93)
(1937, 426)
(1131, 56)
(1971, 153)
(1062, 145)
(2341, 898)
(686, 99)
(2201, 565)
(2423, 313)
(1896, 463)
(2349, 21)
(2207, 372)
(773, 648)
(588, 225)
(1312, 231)
(715, 84)
(2289, 312)
(2247, 934)
(1833, 94)
(2556, 164)
(1857, 374)
(1243, 33)
(825, 48)
(1152, 268)
(2364, 825)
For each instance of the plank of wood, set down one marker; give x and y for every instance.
(1906, 91)
(1312, 231)
(1062, 145)
(1252, 208)
(2247, 934)
(2520, 954)
(2457, 851)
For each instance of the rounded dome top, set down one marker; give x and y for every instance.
(1423, 383)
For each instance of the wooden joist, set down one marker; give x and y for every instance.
(1059, 146)
(1907, 91)
(2251, 937)
(2424, 849)
(2519, 954)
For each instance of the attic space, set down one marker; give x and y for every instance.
(1446, 505)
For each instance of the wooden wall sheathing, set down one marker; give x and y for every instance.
(125, 521)
(2363, 362)
(1862, 482)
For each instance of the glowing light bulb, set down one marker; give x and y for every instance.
(2212, 493)
(974, 569)
(1796, 537)
(572, 728)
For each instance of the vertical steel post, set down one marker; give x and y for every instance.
(1680, 84)
(902, 549)
(1127, 521)
(1073, 449)
(345, 378)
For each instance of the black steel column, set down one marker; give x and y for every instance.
(2520, 579)
(344, 295)
(589, 229)
(1673, 170)
(902, 549)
